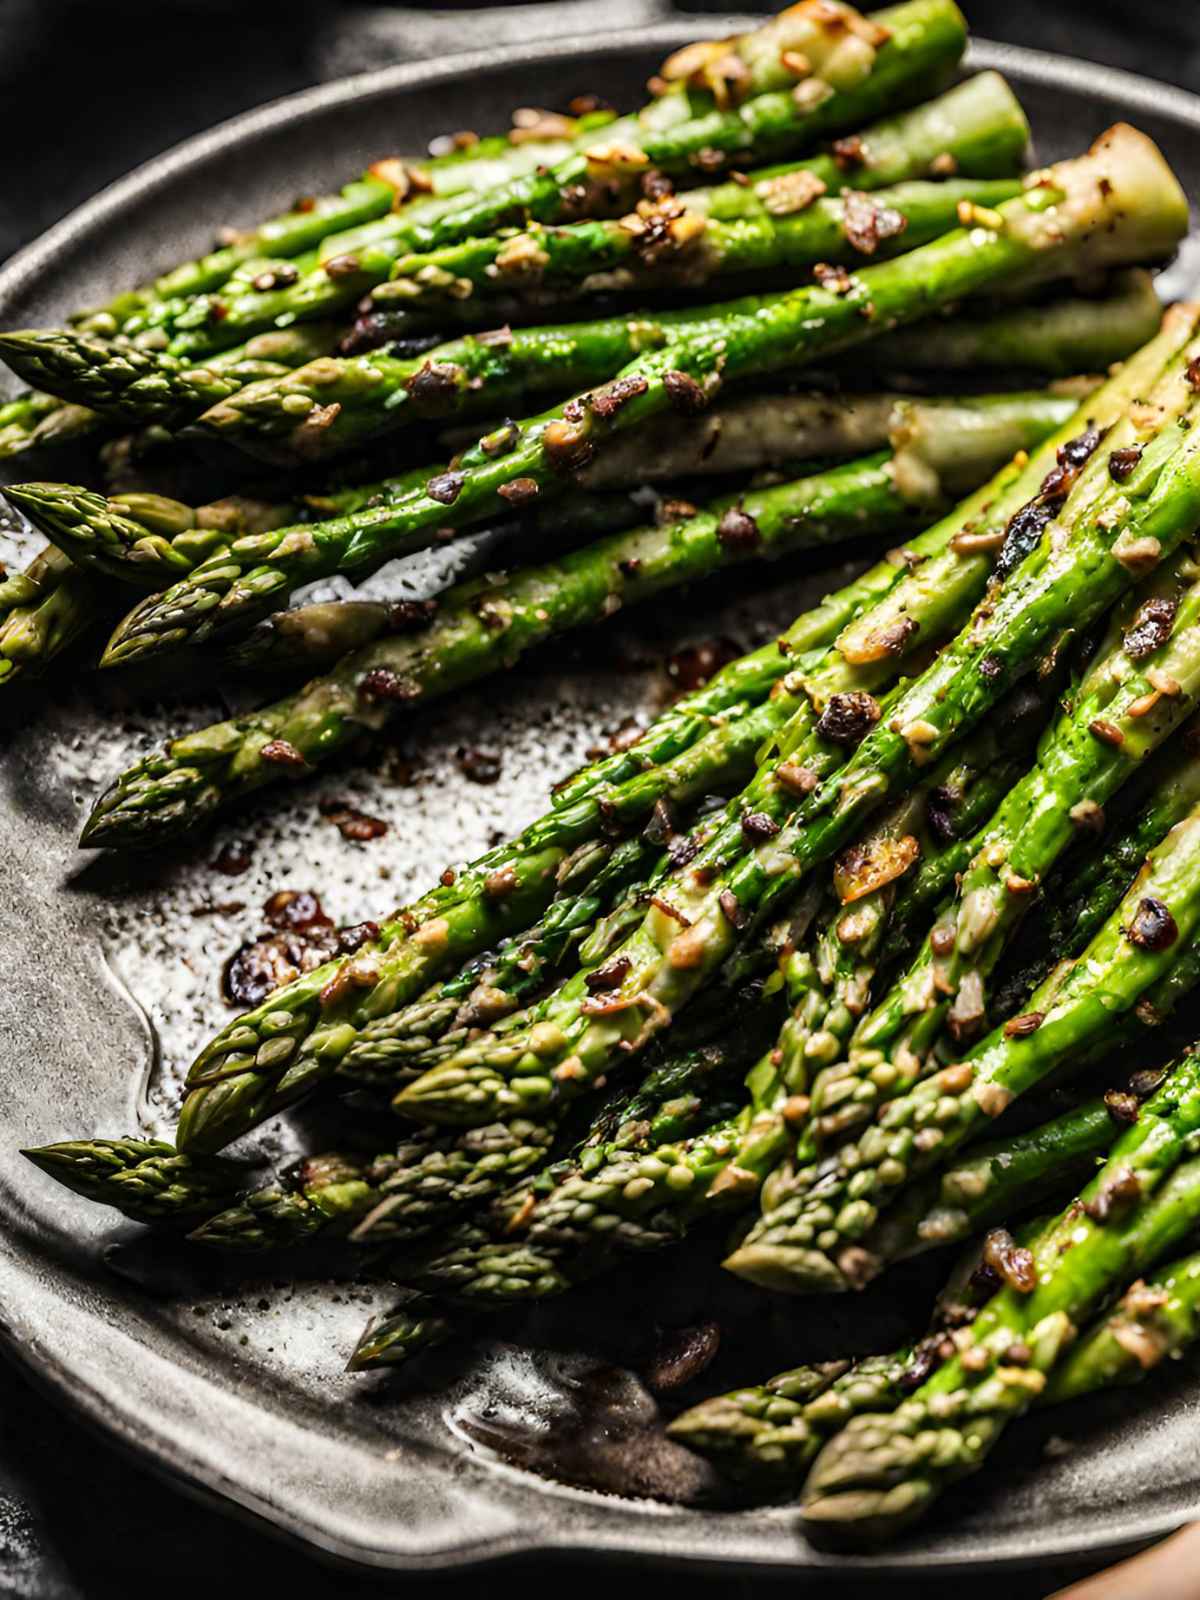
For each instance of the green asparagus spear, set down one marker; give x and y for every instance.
(1073, 573)
(1060, 224)
(38, 420)
(919, 43)
(126, 385)
(430, 1178)
(42, 611)
(428, 187)
(417, 1324)
(813, 1241)
(146, 1179)
(483, 625)
(768, 1436)
(392, 1049)
(312, 638)
(418, 1185)
(1155, 1320)
(976, 128)
(142, 538)
(747, 434)
(1068, 334)
(884, 1471)
(1093, 876)
(949, 569)
(1114, 720)
(596, 1209)
(991, 1181)
(665, 243)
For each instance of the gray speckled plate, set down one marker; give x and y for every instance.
(232, 1380)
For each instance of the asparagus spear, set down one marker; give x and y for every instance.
(977, 128)
(419, 1184)
(1068, 334)
(335, 404)
(394, 1048)
(312, 638)
(813, 1241)
(142, 538)
(666, 243)
(1155, 1320)
(137, 387)
(42, 611)
(1064, 582)
(481, 625)
(768, 1436)
(1092, 877)
(919, 43)
(432, 1178)
(428, 187)
(947, 572)
(943, 437)
(597, 1209)
(1114, 720)
(884, 1471)
(146, 1179)
(38, 420)
(417, 1324)
(379, 393)
(1060, 224)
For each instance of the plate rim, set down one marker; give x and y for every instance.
(90, 1401)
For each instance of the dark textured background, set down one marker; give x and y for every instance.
(90, 88)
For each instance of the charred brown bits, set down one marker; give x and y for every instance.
(1153, 927)
(1150, 628)
(848, 718)
(1025, 529)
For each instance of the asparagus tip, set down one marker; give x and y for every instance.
(786, 1269)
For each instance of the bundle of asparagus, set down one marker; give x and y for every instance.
(782, 959)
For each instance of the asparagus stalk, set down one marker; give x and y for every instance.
(666, 243)
(38, 420)
(946, 574)
(42, 611)
(35, 422)
(123, 384)
(392, 1049)
(1155, 1321)
(428, 187)
(991, 1181)
(422, 1182)
(145, 1179)
(1069, 334)
(1060, 224)
(919, 43)
(150, 540)
(142, 538)
(354, 400)
(976, 128)
(416, 1325)
(335, 404)
(768, 1436)
(1114, 720)
(481, 626)
(1063, 583)
(1093, 876)
(884, 1471)
(597, 1210)
(411, 1190)
(813, 1241)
